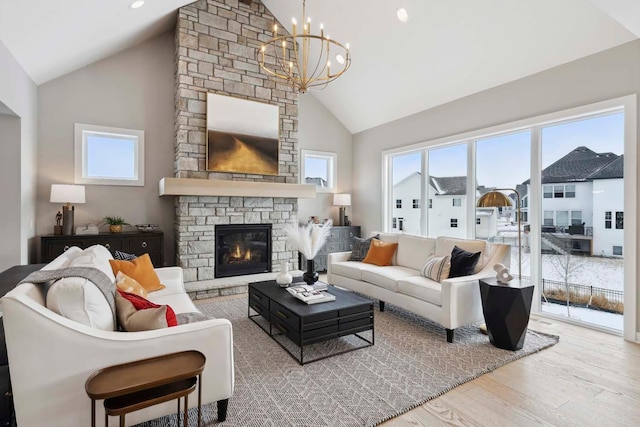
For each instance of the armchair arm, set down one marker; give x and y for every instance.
(172, 278)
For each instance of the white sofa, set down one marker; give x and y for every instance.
(51, 356)
(452, 303)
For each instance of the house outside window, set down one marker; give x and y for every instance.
(562, 218)
(400, 224)
(548, 218)
(547, 191)
(619, 220)
(570, 191)
(558, 191)
(394, 223)
(607, 219)
(478, 221)
(576, 217)
(617, 250)
(454, 223)
(430, 203)
(416, 203)
(399, 203)
(457, 202)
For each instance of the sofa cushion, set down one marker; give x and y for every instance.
(351, 269)
(414, 251)
(445, 245)
(463, 263)
(79, 299)
(138, 314)
(421, 288)
(387, 277)
(180, 303)
(380, 253)
(360, 248)
(140, 269)
(130, 285)
(389, 238)
(437, 268)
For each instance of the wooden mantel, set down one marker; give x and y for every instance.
(218, 187)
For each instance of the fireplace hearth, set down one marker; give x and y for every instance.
(242, 249)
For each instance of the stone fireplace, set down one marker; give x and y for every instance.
(216, 46)
(242, 249)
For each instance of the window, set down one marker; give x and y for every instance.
(547, 191)
(478, 221)
(620, 220)
(562, 218)
(576, 217)
(394, 223)
(430, 203)
(454, 223)
(457, 202)
(558, 191)
(416, 203)
(617, 250)
(399, 203)
(400, 224)
(570, 191)
(548, 218)
(108, 156)
(319, 168)
(607, 219)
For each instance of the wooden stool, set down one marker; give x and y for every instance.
(143, 383)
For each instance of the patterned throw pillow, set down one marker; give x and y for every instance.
(360, 248)
(123, 256)
(437, 268)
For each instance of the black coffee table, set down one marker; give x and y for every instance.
(306, 324)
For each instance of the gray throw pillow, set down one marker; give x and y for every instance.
(360, 248)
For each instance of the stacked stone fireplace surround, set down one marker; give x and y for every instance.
(216, 46)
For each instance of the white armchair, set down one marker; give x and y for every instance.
(50, 357)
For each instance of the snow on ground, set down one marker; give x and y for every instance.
(600, 318)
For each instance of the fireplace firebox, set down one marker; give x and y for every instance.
(242, 249)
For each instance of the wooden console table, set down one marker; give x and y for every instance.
(143, 383)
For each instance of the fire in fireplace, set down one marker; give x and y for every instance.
(242, 249)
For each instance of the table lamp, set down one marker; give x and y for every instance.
(63, 193)
(342, 200)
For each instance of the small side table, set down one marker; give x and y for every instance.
(143, 383)
(506, 309)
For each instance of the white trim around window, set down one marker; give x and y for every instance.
(93, 154)
(331, 165)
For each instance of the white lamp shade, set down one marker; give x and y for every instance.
(63, 193)
(342, 199)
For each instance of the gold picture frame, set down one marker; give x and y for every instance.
(243, 136)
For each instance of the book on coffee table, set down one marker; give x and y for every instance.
(309, 295)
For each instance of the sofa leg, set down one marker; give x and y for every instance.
(381, 306)
(449, 335)
(222, 409)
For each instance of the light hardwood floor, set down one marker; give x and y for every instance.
(589, 378)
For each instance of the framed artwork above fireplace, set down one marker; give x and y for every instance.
(242, 136)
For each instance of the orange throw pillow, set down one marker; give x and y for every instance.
(380, 253)
(139, 269)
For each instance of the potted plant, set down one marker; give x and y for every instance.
(115, 223)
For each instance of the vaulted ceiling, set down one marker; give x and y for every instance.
(447, 49)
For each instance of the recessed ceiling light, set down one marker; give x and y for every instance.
(402, 14)
(136, 4)
(340, 59)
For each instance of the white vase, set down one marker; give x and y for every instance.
(283, 278)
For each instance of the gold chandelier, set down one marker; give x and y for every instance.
(303, 60)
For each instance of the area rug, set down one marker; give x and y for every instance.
(410, 363)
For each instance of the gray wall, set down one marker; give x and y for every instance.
(319, 129)
(18, 93)
(133, 89)
(606, 75)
